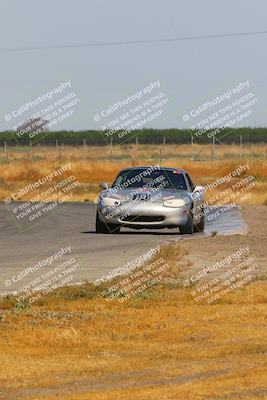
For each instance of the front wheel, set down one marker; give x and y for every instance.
(188, 228)
(102, 227)
(201, 225)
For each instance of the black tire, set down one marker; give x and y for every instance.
(201, 225)
(102, 227)
(188, 228)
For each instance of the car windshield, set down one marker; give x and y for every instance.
(138, 178)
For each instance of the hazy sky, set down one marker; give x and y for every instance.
(190, 72)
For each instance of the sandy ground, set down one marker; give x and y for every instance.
(214, 249)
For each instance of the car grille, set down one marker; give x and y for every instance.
(144, 218)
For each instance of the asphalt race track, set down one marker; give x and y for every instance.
(96, 253)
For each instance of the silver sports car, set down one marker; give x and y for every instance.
(151, 198)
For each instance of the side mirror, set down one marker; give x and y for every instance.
(199, 191)
(104, 185)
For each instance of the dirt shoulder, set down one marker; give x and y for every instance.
(210, 250)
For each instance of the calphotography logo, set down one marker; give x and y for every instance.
(127, 117)
(42, 197)
(32, 120)
(224, 280)
(223, 112)
(52, 270)
(133, 279)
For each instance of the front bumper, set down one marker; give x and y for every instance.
(144, 215)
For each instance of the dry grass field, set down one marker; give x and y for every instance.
(75, 345)
(92, 165)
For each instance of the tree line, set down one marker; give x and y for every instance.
(146, 136)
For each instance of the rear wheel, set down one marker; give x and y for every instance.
(188, 228)
(102, 227)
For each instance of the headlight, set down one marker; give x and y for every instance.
(110, 202)
(174, 203)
